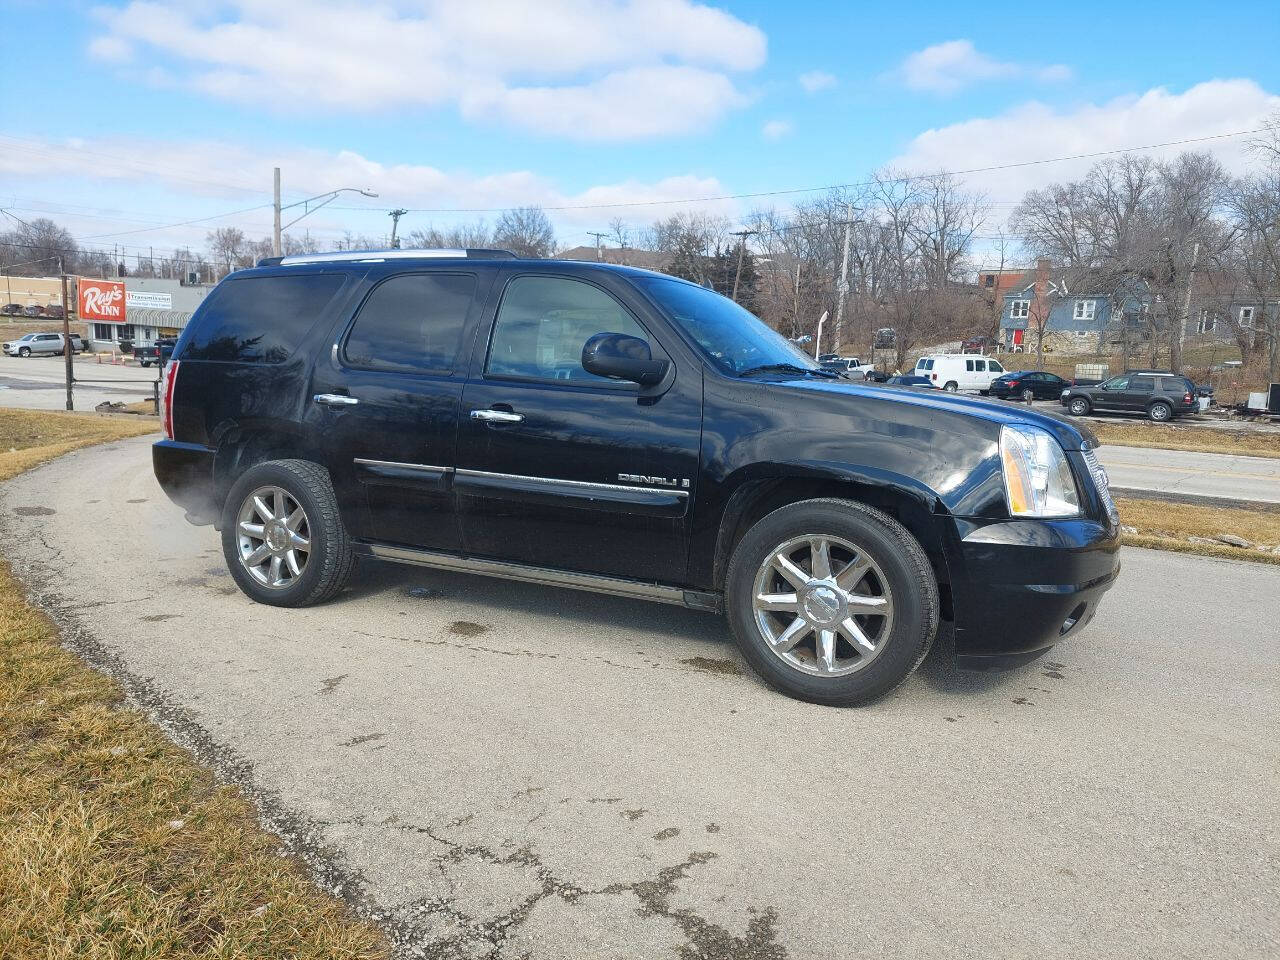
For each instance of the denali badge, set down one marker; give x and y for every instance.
(659, 481)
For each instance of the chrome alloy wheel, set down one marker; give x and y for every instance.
(822, 605)
(274, 537)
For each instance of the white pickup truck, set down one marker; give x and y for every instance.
(852, 367)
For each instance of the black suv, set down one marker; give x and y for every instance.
(611, 429)
(1160, 394)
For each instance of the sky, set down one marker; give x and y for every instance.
(126, 120)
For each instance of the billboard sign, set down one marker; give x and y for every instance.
(146, 298)
(101, 300)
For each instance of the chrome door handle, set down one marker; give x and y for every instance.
(334, 400)
(497, 416)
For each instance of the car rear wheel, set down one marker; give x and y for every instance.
(1028, 395)
(832, 601)
(24, 351)
(1079, 406)
(282, 536)
(1160, 411)
(951, 386)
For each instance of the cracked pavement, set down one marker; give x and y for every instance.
(501, 770)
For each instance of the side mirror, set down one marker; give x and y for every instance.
(622, 357)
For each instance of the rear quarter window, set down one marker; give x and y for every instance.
(1142, 383)
(260, 319)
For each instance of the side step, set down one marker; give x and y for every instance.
(547, 576)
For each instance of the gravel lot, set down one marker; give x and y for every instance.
(498, 769)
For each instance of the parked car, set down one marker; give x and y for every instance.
(1161, 396)
(33, 310)
(154, 354)
(886, 338)
(975, 345)
(910, 380)
(11, 309)
(594, 426)
(957, 371)
(851, 367)
(1028, 385)
(33, 344)
(53, 311)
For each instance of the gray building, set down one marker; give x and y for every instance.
(154, 307)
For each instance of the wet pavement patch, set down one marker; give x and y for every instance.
(465, 628)
(328, 685)
(158, 617)
(34, 511)
(726, 667)
(365, 738)
(668, 834)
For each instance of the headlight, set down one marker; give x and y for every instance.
(1037, 477)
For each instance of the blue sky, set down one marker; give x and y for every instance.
(128, 116)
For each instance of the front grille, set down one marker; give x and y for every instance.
(1102, 483)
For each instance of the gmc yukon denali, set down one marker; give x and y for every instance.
(605, 428)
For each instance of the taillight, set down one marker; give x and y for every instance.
(166, 397)
(933, 376)
(1186, 398)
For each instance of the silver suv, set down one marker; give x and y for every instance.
(49, 344)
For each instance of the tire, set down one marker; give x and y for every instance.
(951, 386)
(1078, 406)
(901, 576)
(24, 351)
(1160, 412)
(1028, 396)
(328, 559)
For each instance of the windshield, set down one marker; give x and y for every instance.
(733, 339)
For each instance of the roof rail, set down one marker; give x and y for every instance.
(377, 256)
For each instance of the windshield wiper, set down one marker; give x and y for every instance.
(785, 368)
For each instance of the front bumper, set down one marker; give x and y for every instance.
(185, 473)
(1020, 586)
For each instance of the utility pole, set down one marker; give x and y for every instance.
(843, 288)
(66, 333)
(1175, 363)
(742, 249)
(599, 237)
(276, 248)
(395, 216)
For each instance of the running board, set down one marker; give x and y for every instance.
(547, 576)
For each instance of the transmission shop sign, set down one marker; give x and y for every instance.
(101, 300)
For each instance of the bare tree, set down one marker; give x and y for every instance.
(459, 236)
(38, 247)
(525, 231)
(226, 246)
(1255, 209)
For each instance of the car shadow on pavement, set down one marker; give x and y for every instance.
(410, 585)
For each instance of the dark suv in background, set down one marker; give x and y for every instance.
(1161, 395)
(611, 429)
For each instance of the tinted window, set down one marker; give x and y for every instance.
(993, 365)
(1116, 383)
(980, 366)
(968, 365)
(543, 324)
(411, 323)
(259, 319)
(927, 364)
(1142, 383)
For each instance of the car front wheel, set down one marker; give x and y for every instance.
(1160, 411)
(951, 386)
(1078, 407)
(832, 601)
(24, 351)
(282, 536)
(1028, 395)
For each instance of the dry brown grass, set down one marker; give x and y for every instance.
(1140, 433)
(1166, 526)
(113, 841)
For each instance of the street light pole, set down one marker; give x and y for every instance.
(66, 334)
(309, 206)
(275, 235)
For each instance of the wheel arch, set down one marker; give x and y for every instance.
(239, 446)
(910, 502)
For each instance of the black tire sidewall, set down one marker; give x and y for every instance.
(281, 474)
(915, 603)
(1083, 404)
(1160, 405)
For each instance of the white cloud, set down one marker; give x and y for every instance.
(133, 183)
(589, 69)
(950, 66)
(1035, 131)
(816, 80)
(775, 129)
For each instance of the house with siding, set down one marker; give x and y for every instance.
(1078, 316)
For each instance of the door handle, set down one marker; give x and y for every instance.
(334, 400)
(497, 416)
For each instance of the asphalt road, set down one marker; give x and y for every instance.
(39, 383)
(497, 769)
(1192, 474)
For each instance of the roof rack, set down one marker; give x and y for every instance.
(378, 256)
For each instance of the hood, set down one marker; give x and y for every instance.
(1071, 435)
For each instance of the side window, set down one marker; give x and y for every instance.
(928, 364)
(1142, 383)
(543, 324)
(993, 366)
(968, 365)
(259, 319)
(411, 323)
(980, 366)
(1117, 383)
